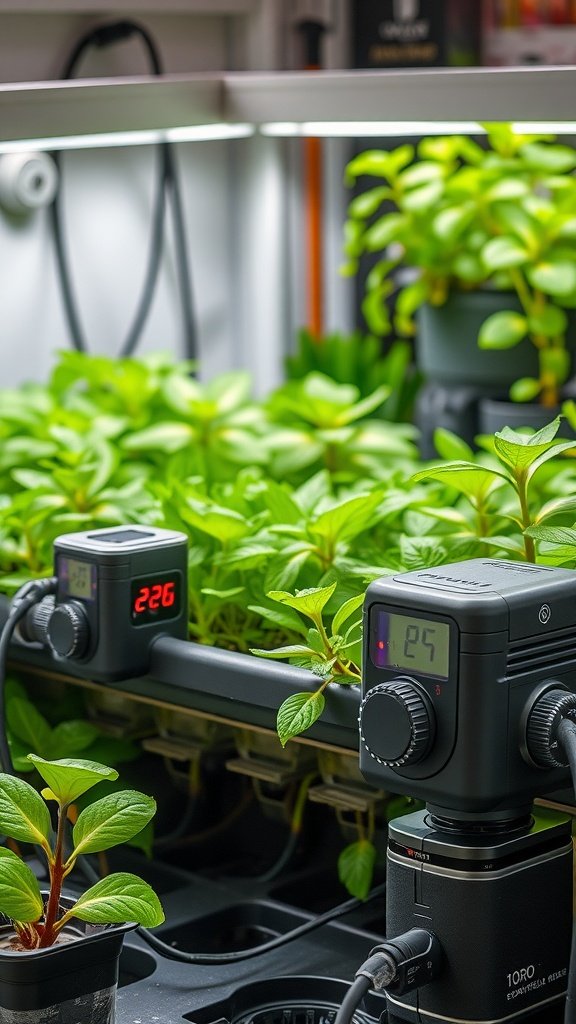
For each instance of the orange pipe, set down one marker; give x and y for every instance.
(314, 249)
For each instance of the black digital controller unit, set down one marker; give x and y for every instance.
(467, 669)
(458, 661)
(118, 589)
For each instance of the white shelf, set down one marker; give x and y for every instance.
(479, 94)
(120, 7)
(86, 107)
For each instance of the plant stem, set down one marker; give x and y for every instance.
(522, 491)
(56, 879)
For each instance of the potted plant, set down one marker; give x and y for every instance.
(59, 953)
(481, 244)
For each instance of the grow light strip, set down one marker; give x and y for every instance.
(359, 129)
(103, 140)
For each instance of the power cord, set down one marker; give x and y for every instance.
(167, 185)
(396, 965)
(248, 954)
(25, 599)
(566, 736)
(239, 955)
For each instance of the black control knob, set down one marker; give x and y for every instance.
(68, 631)
(396, 723)
(35, 625)
(542, 727)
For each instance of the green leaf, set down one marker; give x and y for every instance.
(550, 321)
(505, 251)
(162, 437)
(553, 534)
(553, 277)
(449, 446)
(348, 519)
(20, 897)
(286, 618)
(23, 813)
(366, 204)
(525, 389)
(449, 224)
(68, 778)
(474, 481)
(298, 713)
(72, 737)
(356, 867)
(112, 820)
(525, 453)
(118, 898)
(384, 231)
(282, 506)
(223, 595)
(421, 173)
(345, 611)
(503, 330)
(290, 651)
(420, 199)
(28, 725)
(556, 507)
(364, 407)
(308, 602)
(542, 156)
(222, 523)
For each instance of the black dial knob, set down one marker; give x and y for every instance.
(68, 631)
(542, 726)
(396, 723)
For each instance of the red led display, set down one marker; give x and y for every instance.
(156, 597)
(150, 598)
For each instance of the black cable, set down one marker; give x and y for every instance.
(285, 857)
(25, 599)
(567, 739)
(166, 184)
(165, 841)
(352, 999)
(247, 954)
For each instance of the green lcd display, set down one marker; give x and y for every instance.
(411, 644)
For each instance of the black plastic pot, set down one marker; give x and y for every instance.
(64, 984)
(453, 407)
(494, 413)
(447, 349)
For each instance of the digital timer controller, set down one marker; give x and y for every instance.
(118, 589)
(466, 670)
(451, 648)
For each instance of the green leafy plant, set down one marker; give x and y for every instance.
(519, 457)
(361, 361)
(466, 217)
(325, 424)
(65, 735)
(328, 654)
(25, 817)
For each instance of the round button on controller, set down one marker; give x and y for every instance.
(68, 631)
(396, 723)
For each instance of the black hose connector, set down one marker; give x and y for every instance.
(405, 963)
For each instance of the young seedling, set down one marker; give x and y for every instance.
(25, 817)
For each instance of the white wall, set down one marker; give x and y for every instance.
(236, 194)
